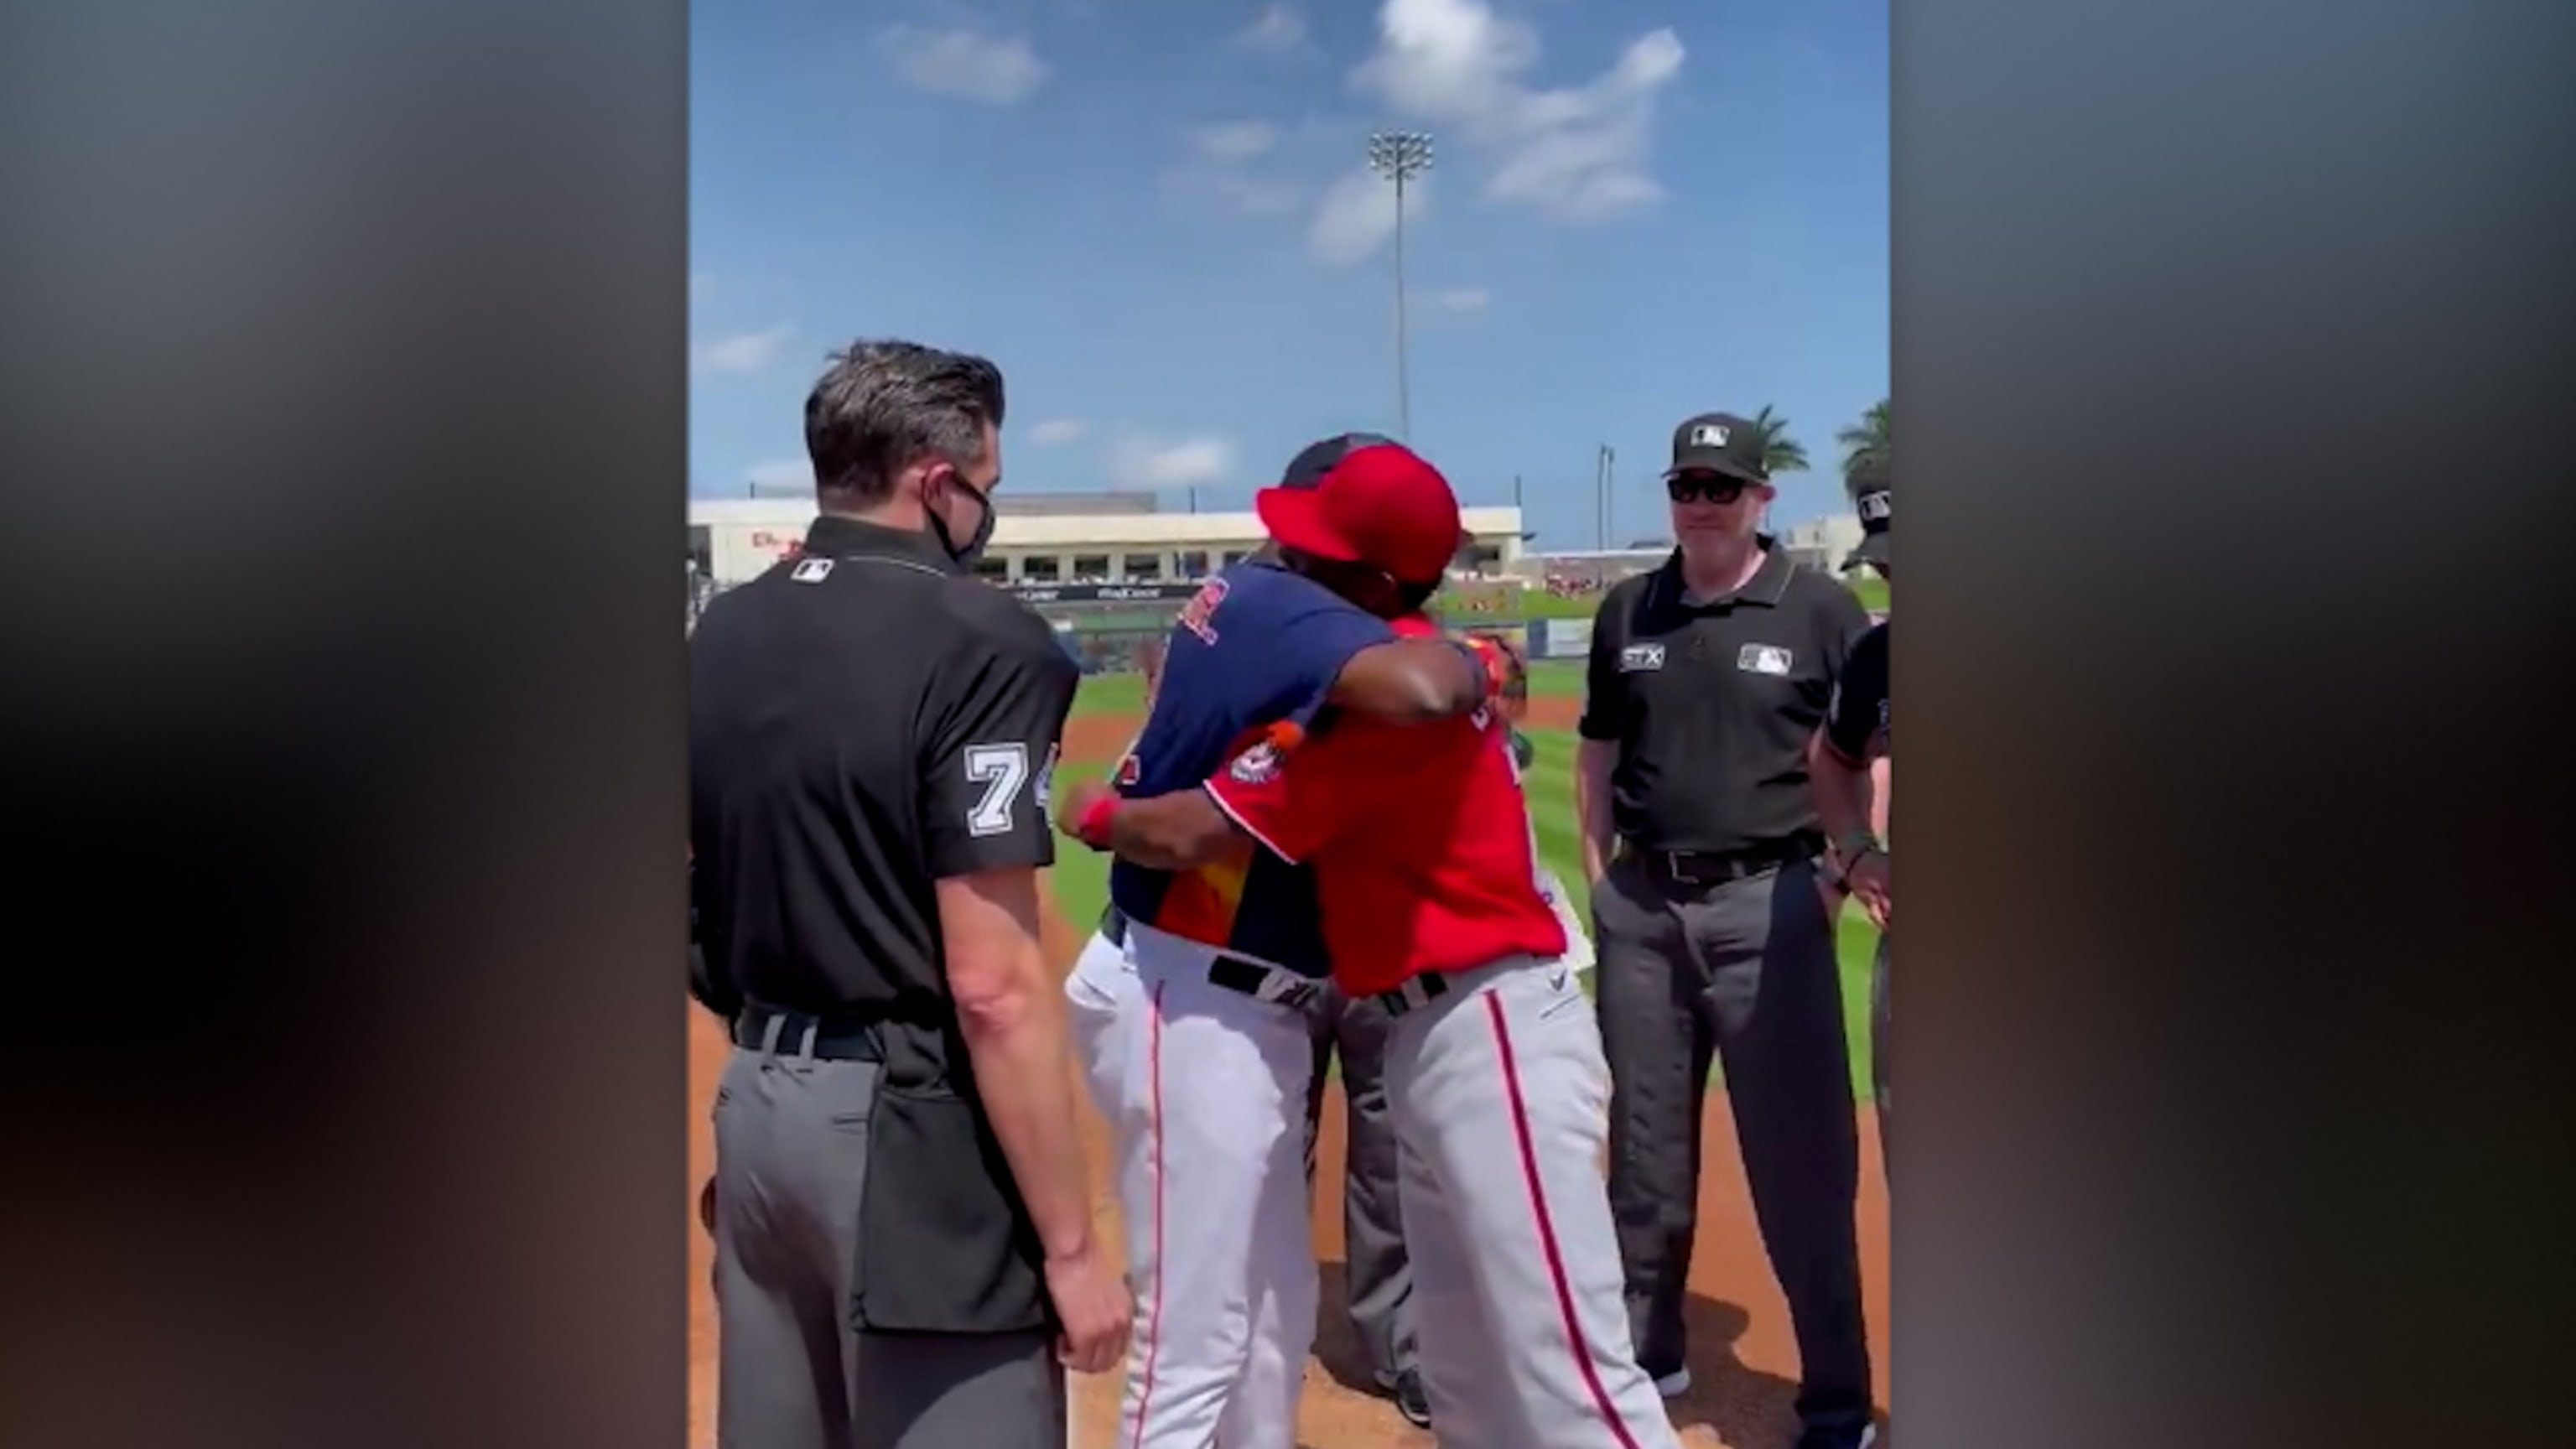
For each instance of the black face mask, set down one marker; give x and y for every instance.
(974, 548)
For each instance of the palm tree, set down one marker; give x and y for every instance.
(1780, 452)
(1866, 440)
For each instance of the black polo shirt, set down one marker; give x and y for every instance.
(1856, 716)
(863, 721)
(1711, 703)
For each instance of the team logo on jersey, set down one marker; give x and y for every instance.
(1199, 614)
(1258, 765)
(1641, 656)
(1764, 659)
(811, 570)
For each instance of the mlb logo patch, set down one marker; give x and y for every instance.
(811, 570)
(1708, 435)
(1764, 659)
(1641, 656)
(1258, 765)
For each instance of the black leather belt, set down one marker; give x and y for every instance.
(1274, 984)
(1716, 867)
(1416, 991)
(829, 1041)
(1263, 983)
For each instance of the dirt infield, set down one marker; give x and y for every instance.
(1742, 1356)
(1743, 1359)
(1554, 712)
(1096, 738)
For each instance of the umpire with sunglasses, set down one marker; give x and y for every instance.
(1713, 923)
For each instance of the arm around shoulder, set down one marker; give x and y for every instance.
(1410, 681)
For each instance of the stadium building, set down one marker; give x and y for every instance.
(1057, 540)
(1106, 569)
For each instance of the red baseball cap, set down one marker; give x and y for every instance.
(1361, 498)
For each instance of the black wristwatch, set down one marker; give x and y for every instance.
(1848, 852)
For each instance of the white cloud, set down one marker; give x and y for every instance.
(1462, 299)
(1056, 431)
(745, 351)
(1257, 195)
(1235, 140)
(1144, 463)
(1278, 29)
(1573, 154)
(992, 70)
(1356, 215)
(1223, 171)
(781, 475)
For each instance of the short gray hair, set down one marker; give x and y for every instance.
(884, 405)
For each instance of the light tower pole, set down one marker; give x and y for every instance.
(1400, 156)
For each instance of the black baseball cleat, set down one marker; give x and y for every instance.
(1410, 1400)
(1854, 1438)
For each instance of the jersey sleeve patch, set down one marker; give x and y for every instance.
(1258, 765)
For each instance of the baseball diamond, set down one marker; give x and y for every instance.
(1744, 1360)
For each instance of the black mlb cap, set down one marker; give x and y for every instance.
(1309, 467)
(1719, 443)
(1873, 496)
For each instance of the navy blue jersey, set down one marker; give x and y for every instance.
(1255, 646)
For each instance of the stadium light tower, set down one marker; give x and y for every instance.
(1400, 156)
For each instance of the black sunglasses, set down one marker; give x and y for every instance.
(1715, 487)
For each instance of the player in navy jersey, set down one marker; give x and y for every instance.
(1191, 1008)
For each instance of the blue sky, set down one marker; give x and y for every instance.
(1153, 215)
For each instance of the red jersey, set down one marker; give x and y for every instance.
(1419, 838)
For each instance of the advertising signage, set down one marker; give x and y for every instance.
(1028, 593)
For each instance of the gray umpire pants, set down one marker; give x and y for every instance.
(1380, 1276)
(792, 1373)
(1878, 1059)
(1742, 971)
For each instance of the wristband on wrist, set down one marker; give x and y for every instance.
(1092, 827)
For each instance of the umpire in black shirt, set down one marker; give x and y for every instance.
(1842, 766)
(904, 1257)
(1713, 926)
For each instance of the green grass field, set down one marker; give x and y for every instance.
(1124, 694)
(1540, 604)
(1080, 880)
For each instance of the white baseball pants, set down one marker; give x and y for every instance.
(1501, 1103)
(1204, 1089)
